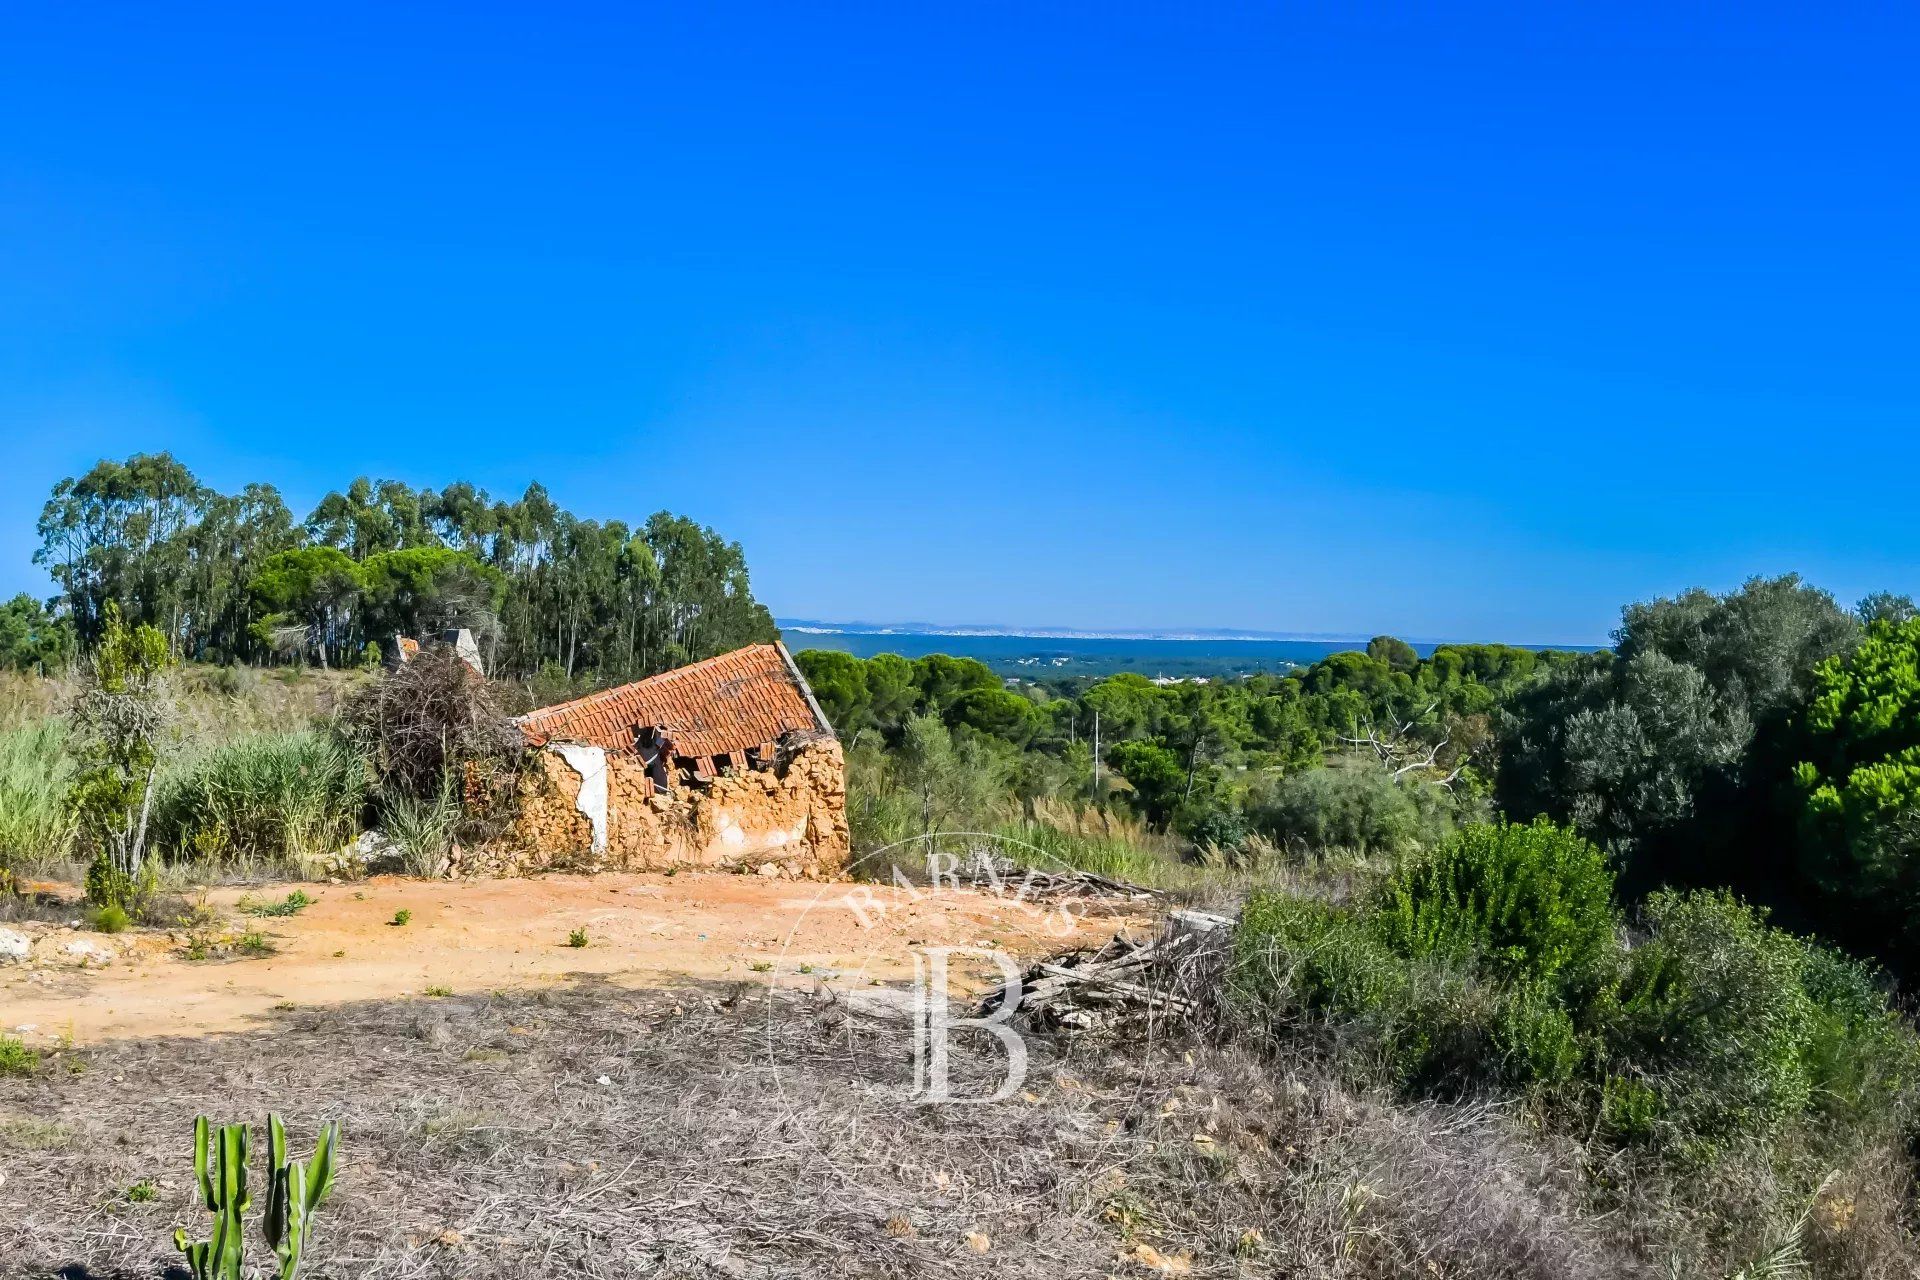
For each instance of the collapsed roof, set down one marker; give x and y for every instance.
(718, 709)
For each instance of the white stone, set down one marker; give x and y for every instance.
(88, 950)
(14, 947)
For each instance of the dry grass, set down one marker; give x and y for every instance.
(212, 705)
(738, 1137)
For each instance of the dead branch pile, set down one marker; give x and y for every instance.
(987, 870)
(425, 723)
(1124, 984)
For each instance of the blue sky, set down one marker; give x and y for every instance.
(1456, 323)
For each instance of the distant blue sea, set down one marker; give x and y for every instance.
(1038, 656)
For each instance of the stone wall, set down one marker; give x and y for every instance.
(789, 820)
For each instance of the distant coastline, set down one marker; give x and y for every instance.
(813, 627)
(808, 626)
(1060, 652)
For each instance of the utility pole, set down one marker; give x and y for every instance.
(1093, 795)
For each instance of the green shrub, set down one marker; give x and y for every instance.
(1535, 1036)
(1417, 1023)
(111, 919)
(401, 917)
(1498, 962)
(253, 943)
(16, 1059)
(1629, 1108)
(578, 938)
(1528, 903)
(1360, 811)
(1862, 1058)
(120, 718)
(278, 797)
(1211, 823)
(1294, 954)
(1712, 1014)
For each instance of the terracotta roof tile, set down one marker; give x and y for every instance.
(742, 699)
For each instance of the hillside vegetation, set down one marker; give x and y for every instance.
(1637, 918)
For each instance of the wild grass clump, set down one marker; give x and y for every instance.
(38, 824)
(1118, 857)
(27, 700)
(222, 704)
(278, 799)
(423, 829)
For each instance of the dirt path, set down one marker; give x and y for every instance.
(642, 929)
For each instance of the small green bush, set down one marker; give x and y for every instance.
(1530, 903)
(1535, 1036)
(578, 938)
(111, 919)
(1296, 954)
(1712, 1014)
(253, 943)
(1499, 962)
(401, 917)
(16, 1059)
(1862, 1058)
(1628, 1108)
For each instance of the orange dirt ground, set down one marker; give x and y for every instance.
(643, 930)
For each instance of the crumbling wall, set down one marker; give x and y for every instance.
(790, 819)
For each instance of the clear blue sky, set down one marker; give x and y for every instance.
(1453, 323)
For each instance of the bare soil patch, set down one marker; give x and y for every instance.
(641, 930)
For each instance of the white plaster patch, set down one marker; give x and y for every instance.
(591, 764)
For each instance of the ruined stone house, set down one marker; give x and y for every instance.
(725, 763)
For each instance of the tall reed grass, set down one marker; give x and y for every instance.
(1119, 856)
(273, 800)
(37, 824)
